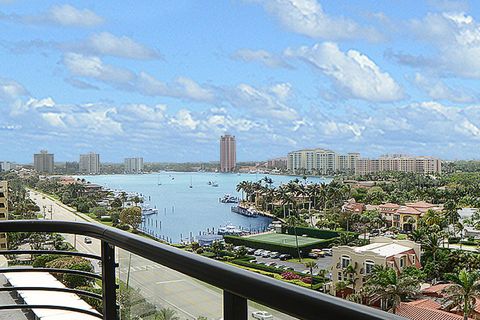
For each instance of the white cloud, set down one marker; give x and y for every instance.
(438, 90)
(308, 17)
(67, 15)
(268, 59)
(105, 43)
(184, 118)
(261, 102)
(93, 67)
(352, 72)
(10, 89)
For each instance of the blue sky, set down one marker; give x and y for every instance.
(165, 79)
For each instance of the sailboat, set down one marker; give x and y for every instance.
(191, 185)
(158, 181)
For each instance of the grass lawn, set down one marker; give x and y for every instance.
(284, 239)
(304, 260)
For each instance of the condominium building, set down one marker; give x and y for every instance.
(426, 165)
(43, 162)
(395, 254)
(3, 211)
(133, 165)
(7, 166)
(321, 161)
(89, 163)
(278, 163)
(228, 153)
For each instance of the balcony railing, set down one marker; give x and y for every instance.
(238, 285)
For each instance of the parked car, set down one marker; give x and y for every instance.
(305, 272)
(250, 250)
(237, 248)
(313, 255)
(327, 251)
(261, 315)
(87, 240)
(258, 252)
(253, 261)
(266, 254)
(285, 256)
(270, 264)
(274, 255)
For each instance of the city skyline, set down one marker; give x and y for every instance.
(403, 78)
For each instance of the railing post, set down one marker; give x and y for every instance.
(234, 307)
(109, 285)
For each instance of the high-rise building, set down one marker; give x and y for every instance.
(43, 162)
(89, 163)
(133, 165)
(71, 167)
(228, 153)
(321, 161)
(7, 166)
(397, 162)
(3, 211)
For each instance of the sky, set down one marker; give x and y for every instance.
(165, 79)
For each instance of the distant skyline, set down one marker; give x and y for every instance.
(164, 80)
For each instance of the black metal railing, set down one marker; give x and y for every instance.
(238, 285)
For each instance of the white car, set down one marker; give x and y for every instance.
(261, 315)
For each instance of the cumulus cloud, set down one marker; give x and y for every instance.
(63, 15)
(10, 89)
(352, 72)
(438, 90)
(307, 17)
(93, 67)
(262, 56)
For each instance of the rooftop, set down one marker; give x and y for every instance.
(383, 249)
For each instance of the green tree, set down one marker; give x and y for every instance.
(166, 314)
(131, 216)
(464, 290)
(311, 265)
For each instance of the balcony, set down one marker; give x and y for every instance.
(237, 285)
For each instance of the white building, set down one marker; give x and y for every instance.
(7, 166)
(133, 165)
(321, 161)
(89, 163)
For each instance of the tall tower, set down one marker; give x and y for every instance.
(89, 163)
(228, 153)
(3, 212)
(43, 162)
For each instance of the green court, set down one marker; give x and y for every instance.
(284, 239)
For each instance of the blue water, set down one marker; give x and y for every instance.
(185, 211)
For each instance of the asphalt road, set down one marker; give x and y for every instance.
(161, 286)
(322, 263)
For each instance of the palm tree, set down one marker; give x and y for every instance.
(351, 272)
(464, 290)
(166, 314)
(385, 285)
(311, 265)
(345, 239)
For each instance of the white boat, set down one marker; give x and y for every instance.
(230, 230)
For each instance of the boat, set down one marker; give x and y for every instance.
(158, 181)
(250, 212)
(230, 230)
(227, 198)
(149, 211)
(191, 185)
(209, 183)
(214, 184)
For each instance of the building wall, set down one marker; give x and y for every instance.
(133, 165)
(228, 153)
(43, 162)
(426, 165)
(320, 160)
(3, 211)
(89, 163)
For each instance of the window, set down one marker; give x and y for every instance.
(402, 262)
(2, 215)
(413, 258)
(369, 264)
(345, 261)
(339, 276)
(3, 245)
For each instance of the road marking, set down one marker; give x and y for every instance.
(170, 281)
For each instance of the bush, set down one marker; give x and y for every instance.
(208, 254)
(124, 227)
(199, 250)
(42, 260)
(290, 276)
(453, 240)
(312, 232)
(106, 218)
(73, 281)
(95, 303)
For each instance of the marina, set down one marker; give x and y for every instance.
(174, 212)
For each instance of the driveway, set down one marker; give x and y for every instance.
(322, 263)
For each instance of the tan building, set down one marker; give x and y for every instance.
(406, 217)
(320, 160)
(228, 153)
(401, 163)
(43, 162)
(396, 254)
(89, 163)
(3, 211)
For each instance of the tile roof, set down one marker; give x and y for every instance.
(408, 210)
(438, 288)
(414, 312)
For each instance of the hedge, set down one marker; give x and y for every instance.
(283, 248)
(313, 232)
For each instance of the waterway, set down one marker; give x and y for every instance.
(185, 212)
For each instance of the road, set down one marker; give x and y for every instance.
(322, 263)
(161, 286)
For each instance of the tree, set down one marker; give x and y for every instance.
(464, 290)
(166, 314)
(131, 216)
(385, 285)
(311, 265)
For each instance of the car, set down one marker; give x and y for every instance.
(253, 261)
(313, 255)
(305, 272)
(282, 267)
(274, 255)
(285, 256)
(266, 254)
(258, 252)
(87, 240)
(289, 269)
(328, 251)
(270, 264)
(237, 248)
(261, 315)
(250, 250)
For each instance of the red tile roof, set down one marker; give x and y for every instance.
(413, 312)
(437, 289)
(408, 210)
